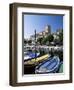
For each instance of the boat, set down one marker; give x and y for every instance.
(50, 65)
(30, 55)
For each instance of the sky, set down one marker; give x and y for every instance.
(34, 22)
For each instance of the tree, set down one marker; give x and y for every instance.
(61, 37)
(29, 41)
(50, 38)
(44, 40)
(25, 41)
(47, 39)
(40, 40)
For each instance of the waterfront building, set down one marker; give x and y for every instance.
(42, 34)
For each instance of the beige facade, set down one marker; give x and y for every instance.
(44, 33)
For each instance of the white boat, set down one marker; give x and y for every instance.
(30, 55)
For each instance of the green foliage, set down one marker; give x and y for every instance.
(25, 41)
(61, 37)
(44, 40)
(29, 41)
(50, 38)
(40, 40)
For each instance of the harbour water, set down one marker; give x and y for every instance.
(36, 63)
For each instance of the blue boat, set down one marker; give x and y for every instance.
(50, 65)
(30, 55)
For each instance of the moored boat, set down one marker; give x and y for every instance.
(30, 55)
(51, 65)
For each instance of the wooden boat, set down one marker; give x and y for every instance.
(30, 55)
(50, 65)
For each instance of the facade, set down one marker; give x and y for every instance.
(56, 34)
(45, 33)
(42, 34)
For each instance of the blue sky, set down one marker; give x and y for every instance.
(38, 22)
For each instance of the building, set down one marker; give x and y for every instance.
(45, 33)
(42, 34)
(56, 34)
